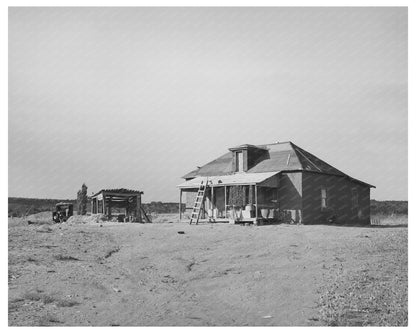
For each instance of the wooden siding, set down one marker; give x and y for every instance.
(290, 194)
(266, 197)
(190, 197)
(219, 198)
(339, 199)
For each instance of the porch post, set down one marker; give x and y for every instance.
(257, 208)
(180, 205)
(225, 201)
(212, 197)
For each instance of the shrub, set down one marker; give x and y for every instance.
(82, 200)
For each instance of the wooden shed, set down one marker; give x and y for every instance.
(125, 204)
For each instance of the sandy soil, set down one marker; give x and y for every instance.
(125, 274)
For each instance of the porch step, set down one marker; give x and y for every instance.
(196, 210)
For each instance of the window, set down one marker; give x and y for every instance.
(354, 198)
(324, 198)
(239, 161)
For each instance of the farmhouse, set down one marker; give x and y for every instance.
(125, 204)
(277, 182)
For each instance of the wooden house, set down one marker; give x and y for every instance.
(275, 182)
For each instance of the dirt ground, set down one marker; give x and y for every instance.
(126, 274)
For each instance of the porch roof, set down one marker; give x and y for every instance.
(235, 179)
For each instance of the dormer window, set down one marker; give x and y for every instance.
(246, 156)
(239, 161)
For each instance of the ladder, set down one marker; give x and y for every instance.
(199, 200)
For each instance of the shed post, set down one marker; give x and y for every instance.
(109, 207)
(180, 205)
(103, 206)
(139, 208)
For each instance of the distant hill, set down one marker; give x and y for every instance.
(388, 207)
(22, 206)
(162, 207)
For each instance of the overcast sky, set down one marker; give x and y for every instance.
(138, 97)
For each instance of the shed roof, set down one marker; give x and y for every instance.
(64, 204)
(278, 157)
(119, 191)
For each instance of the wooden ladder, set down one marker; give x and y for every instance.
(199, 200)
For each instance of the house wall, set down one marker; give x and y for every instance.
(219, 198)
(265, 197)
(363, 211)
(289, 195)
(339, 194)
(190, 197)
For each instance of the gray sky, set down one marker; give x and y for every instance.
(137, 97)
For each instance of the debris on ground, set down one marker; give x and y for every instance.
(87, 219)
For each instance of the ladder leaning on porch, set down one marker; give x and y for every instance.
(199, 200)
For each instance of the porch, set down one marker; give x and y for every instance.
(238, 198)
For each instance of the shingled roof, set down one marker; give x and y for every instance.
(278, 157)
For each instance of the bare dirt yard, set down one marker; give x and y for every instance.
(126, 274)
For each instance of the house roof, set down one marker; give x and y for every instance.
(235, 179)
(246, 146)
(192, 174)
(278, 157)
